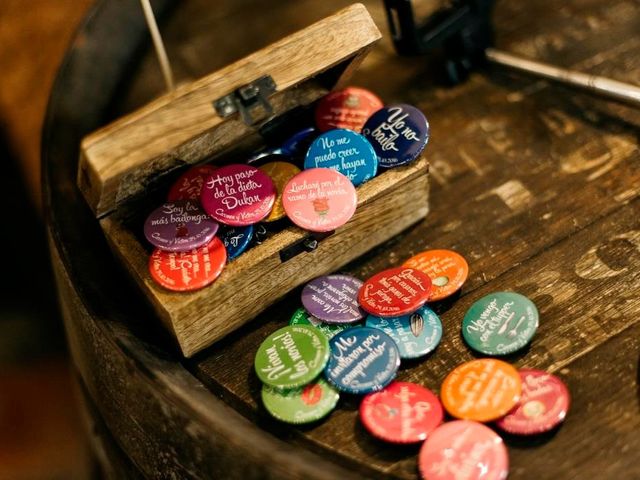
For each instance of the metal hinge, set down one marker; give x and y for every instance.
(245, 99)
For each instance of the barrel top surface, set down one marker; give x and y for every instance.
(535, 185)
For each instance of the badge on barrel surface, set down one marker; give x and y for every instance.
(417, 334)
(301, 405)
(291, 357)
(500, 323)
(362, 360)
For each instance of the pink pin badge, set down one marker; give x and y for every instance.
(319, 199)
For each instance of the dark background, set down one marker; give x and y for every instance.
(40, 429)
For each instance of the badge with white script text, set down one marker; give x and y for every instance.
(398, 134)
(291, 357)
(463, 450)
(500, 323)
(362, 360)
(300, 405)
(179, 226)
(417, 334)
(238, 195)
(346, 152)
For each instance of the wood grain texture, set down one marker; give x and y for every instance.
(397, 198)
(182, 128)
(535, 184)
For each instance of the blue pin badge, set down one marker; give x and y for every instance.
(236, 239)
(416, 334)
(362, 360)
(398, 134)
(347, 152)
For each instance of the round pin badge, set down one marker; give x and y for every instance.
(333, 299)
(238, 195)
(481, 390)
(236, 239)
(319, 199)
(185, 271)
(345, 151)
(362, 360)
(189, 184)
(447, 269)
(398, 134)
(301, 405)
(179, 226)
(302, 317)
(297, 145)
(463, 450)
(280, 173)
(291, 357)
(500, 323)
(416, 334)
(394, 292)
(347, 108)
(543, 405)
(403, 412)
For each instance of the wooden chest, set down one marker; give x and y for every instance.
(125, 166)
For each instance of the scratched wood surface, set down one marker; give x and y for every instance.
(536, 185)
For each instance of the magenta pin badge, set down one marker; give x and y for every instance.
(238, 195)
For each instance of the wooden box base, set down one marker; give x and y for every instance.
(388, 204)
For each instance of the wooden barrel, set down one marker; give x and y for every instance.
(536, 185)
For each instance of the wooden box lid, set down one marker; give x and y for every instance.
(196, 121)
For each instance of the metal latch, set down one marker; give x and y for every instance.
(245, 99)
(307, 244)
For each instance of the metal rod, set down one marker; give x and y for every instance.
(165, 66)
(605, 87)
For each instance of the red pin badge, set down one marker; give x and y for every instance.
(185, 271)
(543, 404)
(347, 108)
(396, 291)
(401, 413)
(189, 185)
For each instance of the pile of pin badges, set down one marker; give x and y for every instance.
(215, 213)
(349, 337)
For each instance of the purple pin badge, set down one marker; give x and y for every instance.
(179, 226)
(398, 134)
(333, 299)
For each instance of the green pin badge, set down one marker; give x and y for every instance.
(302, 317)
(301, 405)
(292, 357)
(500, 323)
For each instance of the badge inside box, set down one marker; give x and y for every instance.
(124, 167)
